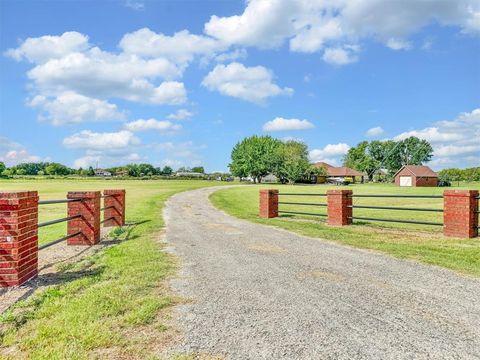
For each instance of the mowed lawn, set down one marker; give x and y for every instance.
(111, 305)
(423, 243)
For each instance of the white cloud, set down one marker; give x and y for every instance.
(432, 134)
(67, 63)
(237, 54)
(180, 114)
(12, 153)
(282, 124)
(136, 5)
(45, 48)
(263, 23)
(455, 142)
(106, 160)
(106, 141)
(254, 84)
(71, 108)
(340, 56)
(152, 125)
(398, 44)
(375, 131)
(331, 153)
(180, 48)
(99, 74)
(180, 154)
(310, 26)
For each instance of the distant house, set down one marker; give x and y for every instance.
(270, 178)
(121, 173)
(338, 172)
(189, 174)
(416, 175)
(102, 172)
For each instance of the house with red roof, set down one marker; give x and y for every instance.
(416, 175)
(339, 172)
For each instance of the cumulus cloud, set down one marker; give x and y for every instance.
(181, 47)
(310, 26)
(12, 153)
(375, 131)
(181, 114)
(455, 142)
(45, 48)
(254, 84)
(398, 44)
(106, 141)
(152, 125)
(71, 108)
(331, 153)
(68, 64)
(341, 55)
(282, 124)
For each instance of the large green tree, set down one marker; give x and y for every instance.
(359, 158)
(392, 155)
(2, 168)
(255, 156)
(293, 163)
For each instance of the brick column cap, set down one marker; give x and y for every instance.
(339, 192)
(83, 194)
(114, 191)
(269, 191)
(460, 193)
(18, 194)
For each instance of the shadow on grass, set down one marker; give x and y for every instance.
(65, 273)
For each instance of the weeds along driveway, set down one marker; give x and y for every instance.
(263, 293)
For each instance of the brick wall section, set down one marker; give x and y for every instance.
(89, 222)
(459, 213)
(18, 237)
(268, 203)
(425, 181)
(339, 212)
(114, 204)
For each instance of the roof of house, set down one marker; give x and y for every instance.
(338, 171)
(419, 170)
(343, 171)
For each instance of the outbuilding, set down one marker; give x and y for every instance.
(416, 175)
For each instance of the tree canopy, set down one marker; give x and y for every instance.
(391, 155)
(255, 156)
(293, 163)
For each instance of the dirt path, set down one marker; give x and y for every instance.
(262, 293)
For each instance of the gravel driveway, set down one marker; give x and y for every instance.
(262, 293)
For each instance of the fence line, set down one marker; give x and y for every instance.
(460, 209)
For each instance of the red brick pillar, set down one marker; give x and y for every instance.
(88, 225)
(18, 237)
(268, 203)
(339, 207)
(114, 204)
(460, 217)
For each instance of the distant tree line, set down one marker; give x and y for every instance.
(52, 168)
(455, 174)
(368, 157)
(258, 156)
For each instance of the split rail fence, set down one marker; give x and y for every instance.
(460, 208)
(19, 227)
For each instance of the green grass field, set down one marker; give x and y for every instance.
(418, 242)
(113, 304)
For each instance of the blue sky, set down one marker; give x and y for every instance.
(180, 82)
